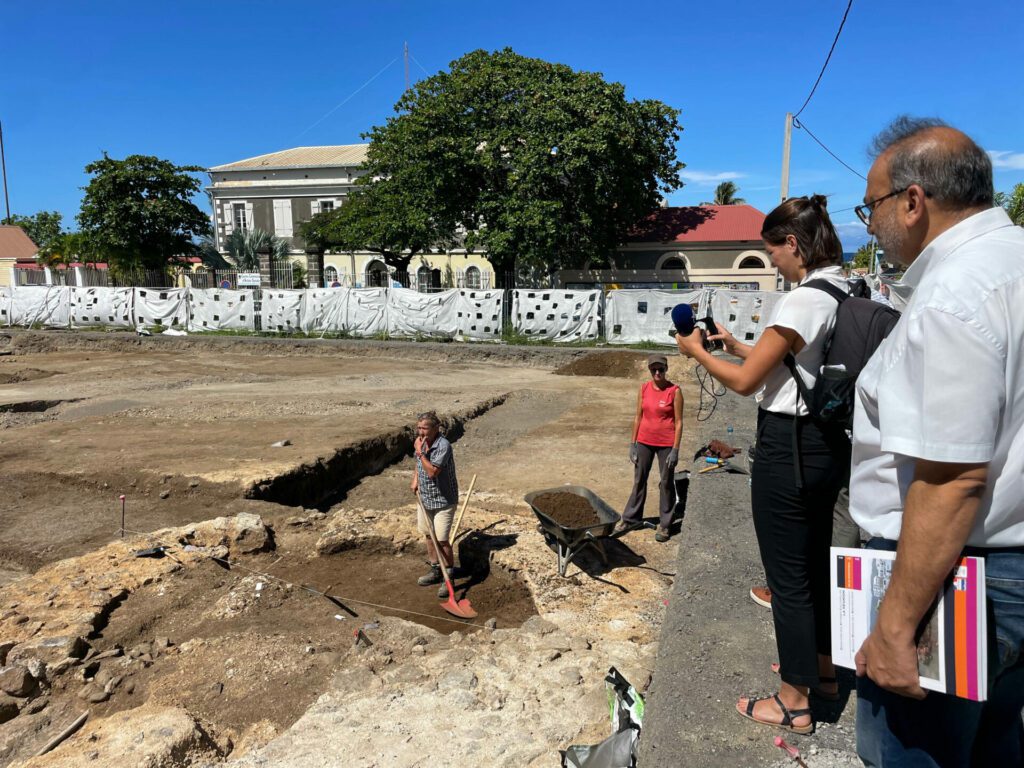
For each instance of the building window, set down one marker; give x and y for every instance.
(238, 217)
(752, 262)
(473, 277)
(326, 206)
(674, 263)
(330, 275)
(376, 274)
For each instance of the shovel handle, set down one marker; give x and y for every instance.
(437, 547)
(465, 503)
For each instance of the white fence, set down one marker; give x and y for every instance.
(619, 317)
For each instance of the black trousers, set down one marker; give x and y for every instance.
(794, 531)
(634, 512)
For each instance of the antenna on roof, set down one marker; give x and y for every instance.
(407, 66)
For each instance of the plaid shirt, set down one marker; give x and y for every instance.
(443, 490)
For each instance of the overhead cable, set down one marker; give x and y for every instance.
(349, 97)
(802, 126)
(825, 65)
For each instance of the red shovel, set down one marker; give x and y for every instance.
(460, 608)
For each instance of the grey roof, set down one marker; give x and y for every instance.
(302, 157)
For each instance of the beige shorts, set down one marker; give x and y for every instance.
(441, 518)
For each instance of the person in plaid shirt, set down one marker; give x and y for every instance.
(437, 488)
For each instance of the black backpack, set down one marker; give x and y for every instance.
(861, 325)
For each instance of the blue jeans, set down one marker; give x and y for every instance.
(942, 730)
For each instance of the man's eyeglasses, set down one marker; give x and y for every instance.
(865, 211)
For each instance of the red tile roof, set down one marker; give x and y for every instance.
(15, 244)
(700, 224)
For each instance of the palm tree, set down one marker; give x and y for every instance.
(725, 194)
(243, 250)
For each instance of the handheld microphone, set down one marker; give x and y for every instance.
(682, 319)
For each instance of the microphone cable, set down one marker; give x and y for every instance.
(707, 388)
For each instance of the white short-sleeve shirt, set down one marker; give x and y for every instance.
(812, 314)
(947, 385)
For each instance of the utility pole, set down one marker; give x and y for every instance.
(3, 167)
(407, 66)
(785, 157)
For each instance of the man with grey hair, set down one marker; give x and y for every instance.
(437, 493)
(938, 445)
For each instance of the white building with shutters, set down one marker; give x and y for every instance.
(278, 191)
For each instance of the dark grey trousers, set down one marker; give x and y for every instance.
(634, 512)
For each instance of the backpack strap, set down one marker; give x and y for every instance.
(831, 289)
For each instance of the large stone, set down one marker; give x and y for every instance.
(49, 649)
(244, 533)
(154, 736)
(16, 681)
(8, 708)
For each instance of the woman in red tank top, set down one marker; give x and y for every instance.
(657, 430)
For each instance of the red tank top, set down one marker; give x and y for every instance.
(657, 416)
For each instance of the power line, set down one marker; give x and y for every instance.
(804, 127)
(349, 97)
(823, 66)
(417, 63)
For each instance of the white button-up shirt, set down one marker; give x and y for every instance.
(947, 385)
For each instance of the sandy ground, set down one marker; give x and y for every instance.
(184, 428)
(184, 661)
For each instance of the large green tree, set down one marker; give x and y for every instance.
(864, 257)
(138, 212)
(43, 227)
(541, 166)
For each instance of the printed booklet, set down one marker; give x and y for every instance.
(952, 654)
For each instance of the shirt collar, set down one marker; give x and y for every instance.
(833, 271)
(949, 241)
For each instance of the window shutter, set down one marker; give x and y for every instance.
(314, 207)
(283, 218)
(229, 219)
(248, 216)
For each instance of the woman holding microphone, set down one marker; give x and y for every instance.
(798, 467)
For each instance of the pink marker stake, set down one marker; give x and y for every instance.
(793, 752)
(121, 497)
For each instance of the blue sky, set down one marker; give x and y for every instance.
(209, 83)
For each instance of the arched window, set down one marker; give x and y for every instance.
(423, 279)
(330, 275)
(752, 262)
(473, 277)
(376, 274)
(673, 263)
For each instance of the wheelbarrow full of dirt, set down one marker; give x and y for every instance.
(573, 517)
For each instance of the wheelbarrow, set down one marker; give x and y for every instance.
(570, 541)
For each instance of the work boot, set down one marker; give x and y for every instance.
(661, 534)
(442, 592)
(432, 578)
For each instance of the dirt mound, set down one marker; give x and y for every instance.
(619, 365)
(28, 374)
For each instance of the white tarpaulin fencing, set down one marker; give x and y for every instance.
(557, 315)
(221, 309)
(281, 311)
(324, 310)
(161, 307)
(367, 311)
(479, 314)
(5, 305)
(411, 313)
(48, 305)
(111, 307)
(744, 313)
(634, 316)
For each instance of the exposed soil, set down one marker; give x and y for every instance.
(25, 374)
(619, 365)
(567, 509)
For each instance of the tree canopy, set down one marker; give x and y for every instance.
(138, 212)
(864, 257)
(541, 166)
(725, 194)
(43, 227)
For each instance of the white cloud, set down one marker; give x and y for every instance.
(1004, 158)
(852, 234)
(704, 177)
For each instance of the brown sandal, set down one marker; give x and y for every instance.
(821, 694)
(788, 715)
